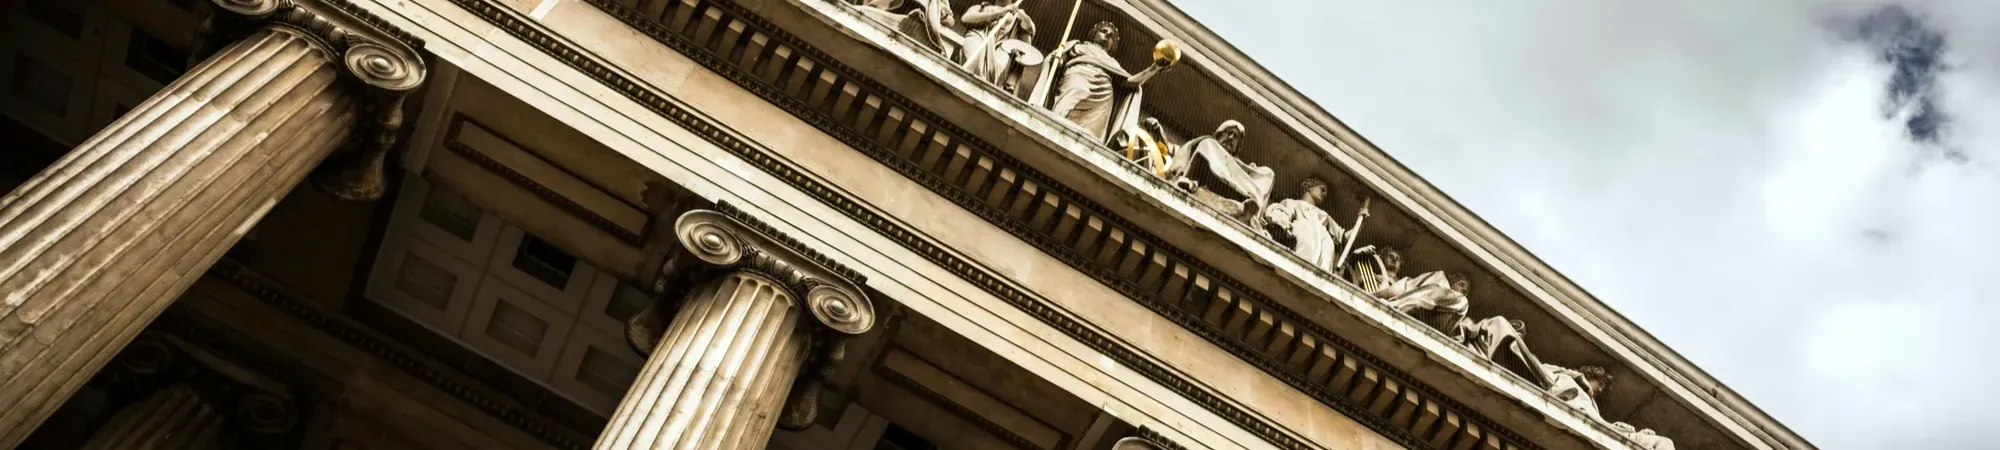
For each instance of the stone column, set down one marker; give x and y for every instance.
(96, 245)
(175, 418)
(191, 398)
(756, 315)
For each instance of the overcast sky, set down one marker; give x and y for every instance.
(1802, 197)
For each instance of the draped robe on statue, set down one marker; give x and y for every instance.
(923, 24)
(1249, 180)
(1498, 340)
(1567, 385)
(1317, 237)
(1430, 299)
(1087, 92)
(1646, 439)
(985, 56)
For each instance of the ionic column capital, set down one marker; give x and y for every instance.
(373, 52)
(380, 59)
(711, 245)
(714, 242)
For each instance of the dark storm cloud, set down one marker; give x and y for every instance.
(1914, 52)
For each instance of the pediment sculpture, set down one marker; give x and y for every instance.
(999, 44)
(1436, 298)
(930, 22)
(1645, 437)
(1439, 299)
(1090, 88)
(1504, 342)
(1208, 168)
(1578, 387)
(1316, 236)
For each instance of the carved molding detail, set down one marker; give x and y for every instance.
(1153, 437)
(963, 413)
(972, 173)
(380, 59)
(452, 144)
(394, 354)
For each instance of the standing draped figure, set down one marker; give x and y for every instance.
(1086, 92)
(999, 38)
(1316, 237)
(931, 23)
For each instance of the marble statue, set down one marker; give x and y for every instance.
(1316, 236)
(1377, 271)
(1436, 298)
(1208, 167)
(1645, 437)
(1090, 80)
(1504, 342)
(1579, 387)
(999, 41)
(931, 23)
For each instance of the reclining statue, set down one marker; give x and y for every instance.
(1579, 387)
(1209, 168)
(1645, 437)
(1435, 298)
(1498, 339)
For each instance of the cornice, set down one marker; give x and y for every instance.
(1381, 397)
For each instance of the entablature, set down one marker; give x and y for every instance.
(948, 147)
(1053, 186)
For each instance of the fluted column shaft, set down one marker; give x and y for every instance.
(755, 312)
(97, 244)
(721, 372)
(175, 418)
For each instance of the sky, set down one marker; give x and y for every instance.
(1800, 196)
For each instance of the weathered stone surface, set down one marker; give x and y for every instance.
(96, 245)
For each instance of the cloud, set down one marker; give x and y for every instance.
(1755, 182)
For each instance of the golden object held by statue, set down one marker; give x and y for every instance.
(1166, 52)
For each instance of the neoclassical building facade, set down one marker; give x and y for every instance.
(752, 224)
